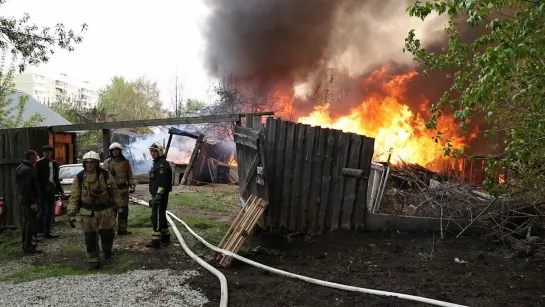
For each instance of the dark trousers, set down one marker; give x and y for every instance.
(159, 219)
(28, 224)
(46, 204)
(123, 214)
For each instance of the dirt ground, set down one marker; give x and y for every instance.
(409, 263)
(397, 262)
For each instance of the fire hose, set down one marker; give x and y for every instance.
(288, 274)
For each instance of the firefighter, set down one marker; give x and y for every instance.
(120, 168)
(95, 196)
(160, 184)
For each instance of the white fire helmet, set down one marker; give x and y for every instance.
(116, 145)
(91, 156)
(157, 146)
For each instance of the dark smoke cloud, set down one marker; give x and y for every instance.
(287, 41)
(268, 41)
(281, 43)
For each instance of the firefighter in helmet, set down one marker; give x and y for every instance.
(160, 184)
(120, 168)
(94, 196)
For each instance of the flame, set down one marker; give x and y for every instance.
(501, 178)
(399, 132)
(232, 160)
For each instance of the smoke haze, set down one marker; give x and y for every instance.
(288, 42)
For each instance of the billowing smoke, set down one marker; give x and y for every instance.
(300, 45)
(290, 41)
(137, 151)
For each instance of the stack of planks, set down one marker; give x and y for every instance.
(241, 228)
(231, 177)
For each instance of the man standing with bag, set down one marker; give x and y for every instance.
(27, 190)
(120, 168)
(47, 171)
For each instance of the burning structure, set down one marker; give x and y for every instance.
(339, 64)
(209, 155)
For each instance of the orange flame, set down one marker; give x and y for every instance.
(232, 160)
(396, 129)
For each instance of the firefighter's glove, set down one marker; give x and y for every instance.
(158, 198)
(72, 222)
(132, 189)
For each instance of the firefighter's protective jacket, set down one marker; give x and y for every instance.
(160, 177)
(82, 200)
(120, 169)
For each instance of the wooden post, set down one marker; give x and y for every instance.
(193, 158)
(106, 136)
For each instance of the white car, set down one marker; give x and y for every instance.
(67, 173)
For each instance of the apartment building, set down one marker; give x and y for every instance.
(49, 87)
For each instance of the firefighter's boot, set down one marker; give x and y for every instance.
(94, 266)
(156, 244)
(165, 239)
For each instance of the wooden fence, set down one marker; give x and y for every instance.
(13, 144)
(315, 179)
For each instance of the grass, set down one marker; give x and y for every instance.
(11, 245)
(121, 265)
(217, 199)
(139, 217)
(210, 230)
(221, 199)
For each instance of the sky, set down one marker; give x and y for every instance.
(128, 38)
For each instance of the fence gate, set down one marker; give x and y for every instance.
(13, 144)
(314, 179)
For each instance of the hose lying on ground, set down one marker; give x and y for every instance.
(204, 264)
(305, 278)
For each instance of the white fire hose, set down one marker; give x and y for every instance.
(285, 273)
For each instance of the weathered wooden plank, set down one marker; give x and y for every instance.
(192, 160)
(297, 170)
(336, 201)
(12, 161)
(106, 137)
(316, 186)
(249, 120)
(281, 134)
(332, 143)
(258, 124)
(65, 138)
(3, 170)
(247, 131)
(351, 183)
(366, 155)
(288, 168)
(263, 190)
(246, 140)
(309, 154)
(271, 152)
(148, 122)
(247, 181)
(18, 144)
(352, 172)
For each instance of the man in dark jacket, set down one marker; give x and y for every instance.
(27, 190)
(47, 171)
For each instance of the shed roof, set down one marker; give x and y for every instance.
(33, 106)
